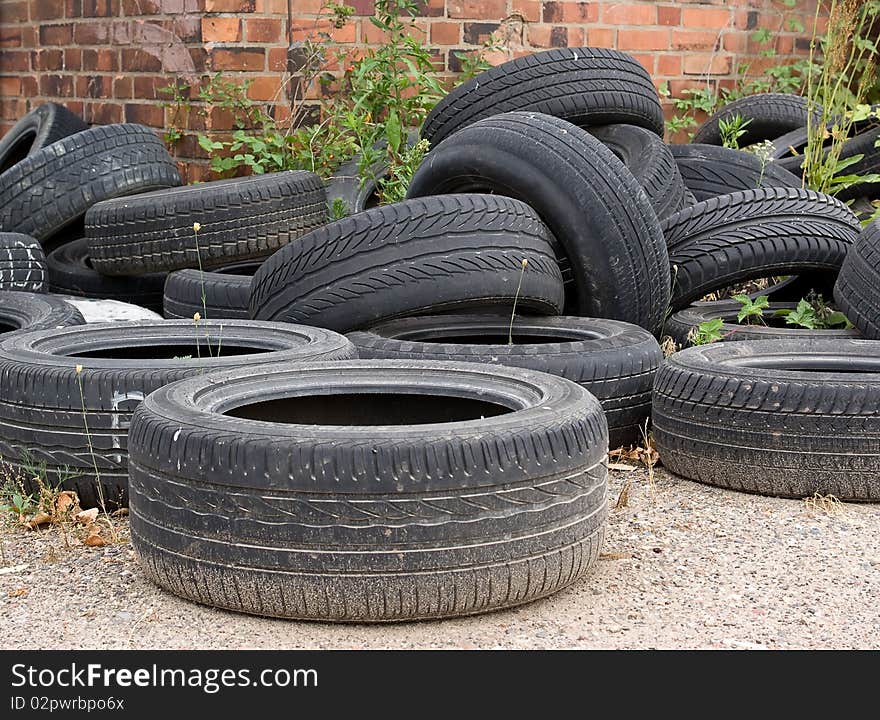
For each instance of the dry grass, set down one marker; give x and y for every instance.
(824, 504)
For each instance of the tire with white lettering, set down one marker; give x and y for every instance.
(45, 402)
(22, 263)
(457, 488)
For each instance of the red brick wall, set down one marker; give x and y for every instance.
(105, 59)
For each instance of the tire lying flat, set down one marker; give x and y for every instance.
(771, 115)
(226, 291)
(22, 263)
(440, 505)
(857, 292)
(71, 273)
(755, 234)
(40, 127)
(121, 364)
(615, 361)
(682, 323)
(52, 188)
(788, 418)
(709, 171)
(238, 219)
(586, 86)
(609, 244)
(422, 256)
(34, 311)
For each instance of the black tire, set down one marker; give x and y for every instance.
(238, 219)
(615, 361)
(682, 323)
(40, 127)
(611, 250)
(857, 292)
(789, 148)
(586, 86)
(648, 158)
(52, 188)
(22, 263)
(444, 513)
(771, 115)
(423, 256)
(227, 292)
(21, 311)
(869, 164)
(788, 418)
(71, 273)
(755, 234)
(44, 424)
(709, 171)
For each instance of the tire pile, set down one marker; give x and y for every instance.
(406, 413)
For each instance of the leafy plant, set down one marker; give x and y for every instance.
(707, 332)
(732, 129)
(751, 309)
(814, 314)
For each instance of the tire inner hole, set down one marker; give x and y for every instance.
(206, 348)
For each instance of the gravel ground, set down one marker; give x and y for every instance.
(684, 566)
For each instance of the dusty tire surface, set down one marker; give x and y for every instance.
(586, 86)
(34, 311)
(680, 325)
(709, 171)
(227, 291)
(650, 161)
(441, 514)
(41, 410)
(71, 273)
(421, 256)
(787, 418)
(40, 127)
(238, 219)
(608, 240)
(54, 187)
(615, 361)
(22, 263)
(771, 115)
(755, 234)
(857, 292)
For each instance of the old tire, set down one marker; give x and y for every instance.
(71, 273)
(54, 187)
(788, 418)
(226, 291)
(709, 171)
(20, 311)
(422, 256)
(586, 86)
(22, 263)
(648, 158)
(44, 423)
(680, 325)
(857, 292)
(771, 115)
(40, 127)
(611, 251)
(237, 219)
(438, 512)
(755, 234)
(615, 361)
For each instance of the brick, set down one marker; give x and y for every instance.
(625, 14)
(714, 64)
(263, 30)
(72, 58)
(477, 9)
(668, 65)
(545, 36)
(29, 35)
(702, 17)
(240, 58)
(362, 7)
(221, 29)
(693, 40)
(669, 16)
(445, 33)
(92, 33)
(188, 29)
(264, 88)
(581, 12)
(305, 29)
(56, 34)
(103, 113)
(10, 86)
(94, 86)
(145, 87)
(122, 33)
(277, 59)
(101, 59)
(642, 39)
(430, 8)
(123, 87)
(56, 85)
(233, 6)
(43, 60)
(29, 86)
(478, 33)
(100, 8)
(15, 12)
(47, 9)
(529, 9)
(601, 37)
(10, 36)
(136, 60)
(134, 8)
(73, 8)
(144, 113)
(552, 12)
